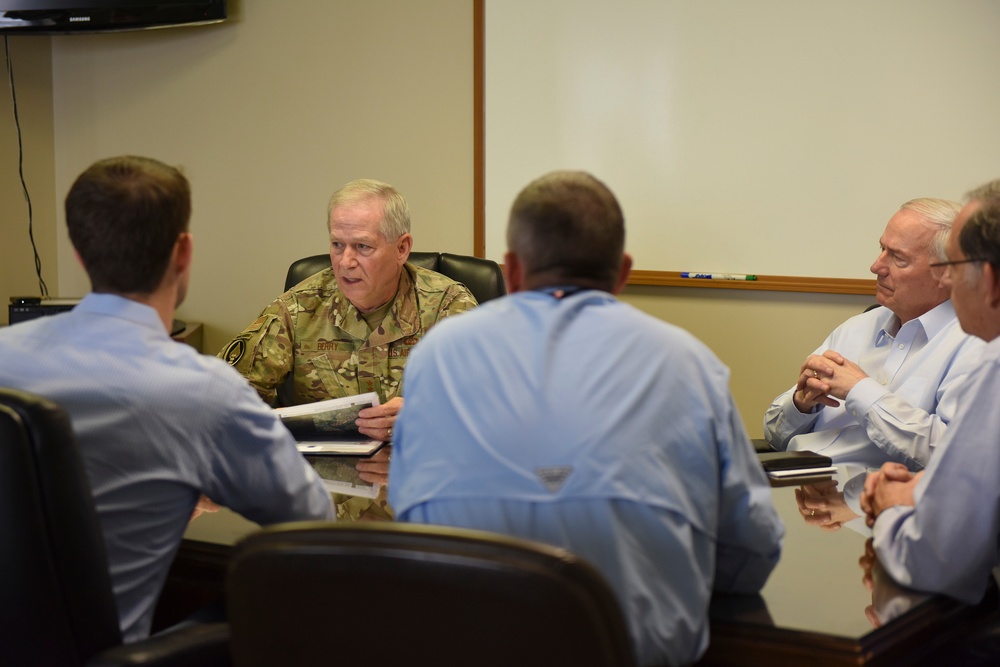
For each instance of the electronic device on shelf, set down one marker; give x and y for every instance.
(62, 17)
(24, 308)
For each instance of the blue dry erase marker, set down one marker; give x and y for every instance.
(719, 276)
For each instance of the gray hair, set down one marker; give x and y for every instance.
(938, 214)
(980, 236)
(984, 192)
(395, 211)
(568, 229)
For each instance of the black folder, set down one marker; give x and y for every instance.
(793, 460)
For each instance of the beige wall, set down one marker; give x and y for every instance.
(32, 66)
(762, 336)
(269, 114)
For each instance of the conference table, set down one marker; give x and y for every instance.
(828, 602)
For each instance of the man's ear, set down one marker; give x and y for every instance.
(991, 285)
(404, 244)
(623, 274)
(183, 252)
(513, 272)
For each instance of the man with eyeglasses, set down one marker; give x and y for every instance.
(882, 387)
(939, 530)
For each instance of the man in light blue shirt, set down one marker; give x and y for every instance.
(562, 415)
(939, 530)
(157, 424)
(882, 387)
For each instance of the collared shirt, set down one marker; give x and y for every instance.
(157, 425)
(948, 542)
(583, 422)
(901, 411)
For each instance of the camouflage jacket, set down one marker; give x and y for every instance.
(313, 332)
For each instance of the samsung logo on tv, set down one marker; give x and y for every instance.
(61, 17)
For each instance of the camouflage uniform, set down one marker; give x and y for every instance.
(315, 333)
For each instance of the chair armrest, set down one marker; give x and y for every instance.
(201, 645)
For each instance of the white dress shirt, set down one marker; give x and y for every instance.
(901, 411)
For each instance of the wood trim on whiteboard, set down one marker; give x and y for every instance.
(478, 128)
(763, 283)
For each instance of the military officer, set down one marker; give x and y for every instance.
(350, 328)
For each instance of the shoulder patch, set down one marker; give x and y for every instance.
(258, 323)
(235, 351)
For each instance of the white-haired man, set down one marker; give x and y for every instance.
(882, 386)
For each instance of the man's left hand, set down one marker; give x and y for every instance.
(822, 505)
(375, 469)
(376, 422)
(843, 376)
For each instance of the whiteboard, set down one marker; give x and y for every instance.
(750, 136)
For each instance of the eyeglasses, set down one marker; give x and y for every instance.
(941, 269)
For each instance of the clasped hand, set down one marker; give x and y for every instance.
(892, 484)
(824, 378)
(822, 505)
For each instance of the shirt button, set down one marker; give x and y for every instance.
(884, 382)
(901, 346)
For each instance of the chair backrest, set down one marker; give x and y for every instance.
(483, 277)
(392, 594)
(56, 604)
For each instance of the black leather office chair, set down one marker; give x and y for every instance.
(404, 594)
(483, 277)
(56, 604)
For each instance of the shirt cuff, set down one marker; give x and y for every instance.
(888, 522)
(794, 417)
(862, 397)
(852, 493)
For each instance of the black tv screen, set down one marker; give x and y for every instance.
(57, 17)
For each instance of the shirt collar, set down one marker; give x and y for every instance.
(937, 318)
(113, 305)
(402, 320)
(932, 322)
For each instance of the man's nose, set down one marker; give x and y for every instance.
(880, 267)
(349, 257)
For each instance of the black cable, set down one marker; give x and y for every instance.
(43, 288)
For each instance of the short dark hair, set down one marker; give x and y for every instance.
(124, 215)
(567, 228)
(980, 236)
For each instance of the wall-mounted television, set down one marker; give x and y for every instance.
(59, 17)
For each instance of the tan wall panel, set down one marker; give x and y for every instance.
(762, 336)
(269, 113)
(31, 58)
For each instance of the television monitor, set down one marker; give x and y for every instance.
(59, 17)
